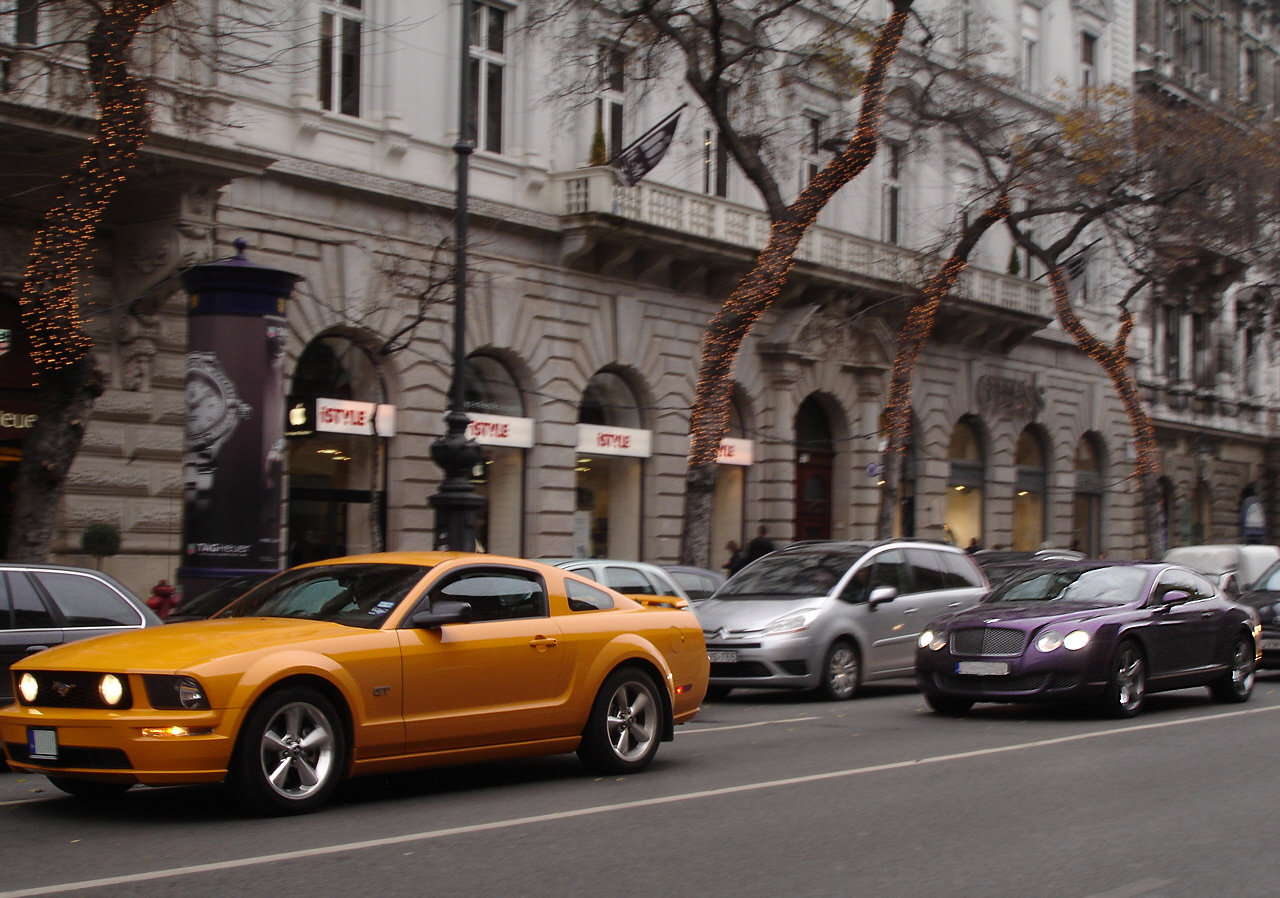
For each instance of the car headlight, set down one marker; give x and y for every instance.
(791, 623)
(1048, 641)
(111, 688)
(1076, 640)
(930, 639)
(175, 693)
(28, 687)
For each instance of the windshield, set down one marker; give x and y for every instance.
(1102, 585)
(358, 595)
(785, 575)
(1270, 579)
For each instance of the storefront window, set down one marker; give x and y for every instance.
(610, 470)
(494, 402)
(815, 460)
(1090, 486)
(965, 485)
(729, 501)
(1029, 489)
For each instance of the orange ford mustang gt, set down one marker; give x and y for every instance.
(359, 665)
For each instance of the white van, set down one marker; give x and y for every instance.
(1233, 566)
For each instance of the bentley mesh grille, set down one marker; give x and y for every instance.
(987, 642)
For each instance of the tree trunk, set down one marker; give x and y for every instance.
(709, 418)
(52, 285)
(915, 332)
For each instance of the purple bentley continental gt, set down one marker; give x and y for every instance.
(1102, 632)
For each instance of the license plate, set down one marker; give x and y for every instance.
(983, 668)
(42, 743)
(1269, 645)
(722, 657)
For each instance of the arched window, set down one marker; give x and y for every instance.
(492, 397)
(610, 470)
(815, 456)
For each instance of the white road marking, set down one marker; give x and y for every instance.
(1141, 887)
(687, 731)
(409, 838)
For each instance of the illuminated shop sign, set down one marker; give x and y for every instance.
(500, 430)
(736, 452)
(304, 417)
(593, 440)
(16, 419)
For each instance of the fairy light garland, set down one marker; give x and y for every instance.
(61, 251)
(709, 417)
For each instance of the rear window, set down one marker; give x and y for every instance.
(86, 601)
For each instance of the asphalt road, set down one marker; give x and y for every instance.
(766, 794)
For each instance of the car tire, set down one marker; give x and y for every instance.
(90, 790)
(841, 672)
(1127, 685)
(625, 725)
(291, 753)
(948, 705)
(718, 693)
(1236, 684)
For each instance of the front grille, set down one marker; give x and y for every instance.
(74, 689)
(71, 756)
(987, 642)
(738, 669)
(1036, 682)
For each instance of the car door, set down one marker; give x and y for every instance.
(500, 678)
(939, 589)
(1182, 635)
(890, 626)
(27, 625)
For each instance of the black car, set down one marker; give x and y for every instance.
(46, 605)
(1264, 595)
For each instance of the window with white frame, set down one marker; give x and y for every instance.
(610, 105)
(19, 21)
(341, 53)
(1249, 75)
(891, 215)
(1170, 28)
(811, 147)
(964, 36)
(1172, 334)
(715, 164)
(488, 75)
(1197, 45)
(1077, 271)
(1088, 60)
(1250, 349)
(1029, 48)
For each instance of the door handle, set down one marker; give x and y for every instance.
(32, 649)
(1206, 614)
(956, 605)
(909, 610)
(542, 643)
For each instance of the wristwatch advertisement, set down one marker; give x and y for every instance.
(214, 409)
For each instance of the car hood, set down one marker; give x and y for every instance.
(749, 614)
(184, 645)
(1030, 615)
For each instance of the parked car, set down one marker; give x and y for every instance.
(698, 583)
(1233, 566)
(1264, 597)
(214, 599)
(999, 565)
(302, 682)
(829, 615)
(1103, 632)
(48, 605)
(631, 578)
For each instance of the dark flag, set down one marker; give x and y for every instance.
(638, 159)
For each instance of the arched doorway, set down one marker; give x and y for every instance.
(815, 459)
(611, 449)
(1030, 486)
(337, 461)
(966, 484)
(728, 509)
(494, 402)
(1090, 488)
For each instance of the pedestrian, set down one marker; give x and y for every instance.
(737, 558)
(974, 546)
(760, 545)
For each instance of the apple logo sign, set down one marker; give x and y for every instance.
(298, 415)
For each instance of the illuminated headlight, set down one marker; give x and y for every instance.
(791, 623)
(28, 687)
(175, 693)
(932, 640)
(1048, 641)
(1075, 640)
(111, 688)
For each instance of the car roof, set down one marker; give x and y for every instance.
(812, 545)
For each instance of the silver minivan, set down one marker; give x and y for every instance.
(831, 615)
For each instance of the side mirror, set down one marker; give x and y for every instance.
(1174, 597)
(442, 612)
(882, 594)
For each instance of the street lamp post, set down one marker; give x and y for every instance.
(456, 502)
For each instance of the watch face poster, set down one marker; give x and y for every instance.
(233, 452)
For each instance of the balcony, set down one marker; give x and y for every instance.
(694, 243)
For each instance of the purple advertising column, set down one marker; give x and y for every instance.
(234, 449)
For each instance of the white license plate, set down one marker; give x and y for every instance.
(42, 743)
(1269, 645)
(722, 657)
(983, 668)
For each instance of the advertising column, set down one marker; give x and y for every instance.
(234, 446)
